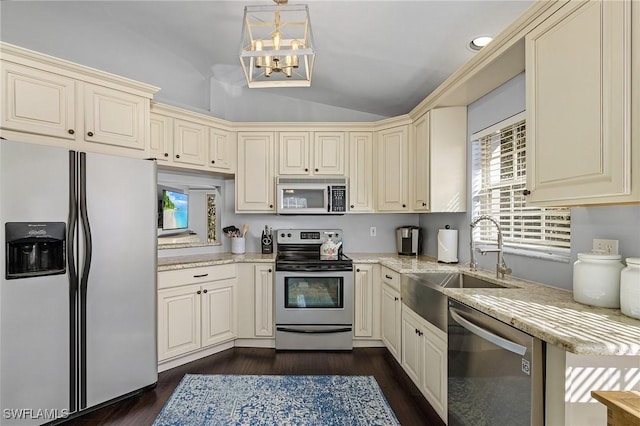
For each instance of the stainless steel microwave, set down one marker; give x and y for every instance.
(311, 195)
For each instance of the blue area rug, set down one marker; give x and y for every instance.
(276, 400)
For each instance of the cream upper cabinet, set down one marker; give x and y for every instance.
(393, 169)
(580, 145)
(190, 142)
(293, 153)
(38, 102)
(255, 177)
(439, 160)
(161, 137)
(328, 153)
(114, 117)
(222, 151)
(361, 173)
(311, 153)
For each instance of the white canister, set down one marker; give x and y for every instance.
(596, 279)
(237, 245)
(630, 288)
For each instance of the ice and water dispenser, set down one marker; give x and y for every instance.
(34, 249)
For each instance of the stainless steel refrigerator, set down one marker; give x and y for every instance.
(78, 280)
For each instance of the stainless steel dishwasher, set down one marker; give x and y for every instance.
(495, 371)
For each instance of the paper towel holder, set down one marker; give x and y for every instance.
(447, 246)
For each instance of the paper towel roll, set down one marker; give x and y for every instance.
(448, 245)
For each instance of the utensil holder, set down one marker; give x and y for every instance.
(237, 245)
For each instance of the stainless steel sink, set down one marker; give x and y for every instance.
(422, 292)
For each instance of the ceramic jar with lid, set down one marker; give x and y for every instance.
(596, 279)
(630, 288)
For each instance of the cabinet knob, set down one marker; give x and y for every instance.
(166, 154)
(526, 192)
(306, 170)
(71, 131)
(177, 155)
(213, 161)
(352, 206)
(396, 299)
(404, 206)
(358, 270)
(198, 292)
(205, 290)
(90, 134)
(317, 170)
(424, 204)
(269, 270)
(270, 206)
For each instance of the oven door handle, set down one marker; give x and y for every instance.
(308, 331)
(487, 335)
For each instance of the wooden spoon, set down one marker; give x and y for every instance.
(245, 229)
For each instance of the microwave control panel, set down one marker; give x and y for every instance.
(338, 199)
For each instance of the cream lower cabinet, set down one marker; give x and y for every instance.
(362, 186)
(366, 321)
(391, 311)
(255, 300)
(255, 177)
(581, 142)
(196, 309)
(393, 169)
(424, 358)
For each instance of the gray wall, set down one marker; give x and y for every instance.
(614, 222)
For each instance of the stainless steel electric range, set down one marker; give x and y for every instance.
(314, 297)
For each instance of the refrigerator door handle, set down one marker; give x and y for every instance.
(72, 223)
(84, 277)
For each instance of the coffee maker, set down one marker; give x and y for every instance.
(409, 240)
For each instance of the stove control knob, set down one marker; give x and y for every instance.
(282, 235)
(289, 235)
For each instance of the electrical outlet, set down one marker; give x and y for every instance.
(605, 246)
(372, 231)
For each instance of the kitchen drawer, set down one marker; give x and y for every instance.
(390, 277)
(188, 276)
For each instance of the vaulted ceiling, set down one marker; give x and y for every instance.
(375, 59)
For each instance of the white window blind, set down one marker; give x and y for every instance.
(499, 178)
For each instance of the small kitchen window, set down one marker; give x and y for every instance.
(499, 178)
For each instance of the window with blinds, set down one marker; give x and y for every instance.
(499, 178)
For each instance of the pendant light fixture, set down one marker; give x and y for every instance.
(277, 45)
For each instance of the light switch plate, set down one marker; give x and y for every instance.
(372, 231)
(605, 246)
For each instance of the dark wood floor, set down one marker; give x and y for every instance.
(405, 399)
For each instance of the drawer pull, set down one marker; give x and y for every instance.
(396, 299)
(200, 275)
(198, 292)
(389, 277)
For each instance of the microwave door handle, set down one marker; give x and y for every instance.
(328, 199)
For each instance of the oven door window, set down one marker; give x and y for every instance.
(313, 292)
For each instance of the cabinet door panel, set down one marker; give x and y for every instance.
(38, 102)
(411, 348)
(161, 138)
(361, 177)
(115, 118)
(218, 312)
(178, 321)
(190, 142)
(421, 176)
(255, 179)
(364, 301)
(222, 151)
(434, 376)
(391, 317)
(393, 169)
(293, 149)
(263, 281)
(578, 104)
(328, 153)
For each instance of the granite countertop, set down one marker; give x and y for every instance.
(545, 312)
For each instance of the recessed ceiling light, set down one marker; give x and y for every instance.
(479, 42)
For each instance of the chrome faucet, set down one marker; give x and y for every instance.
(501, 266)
